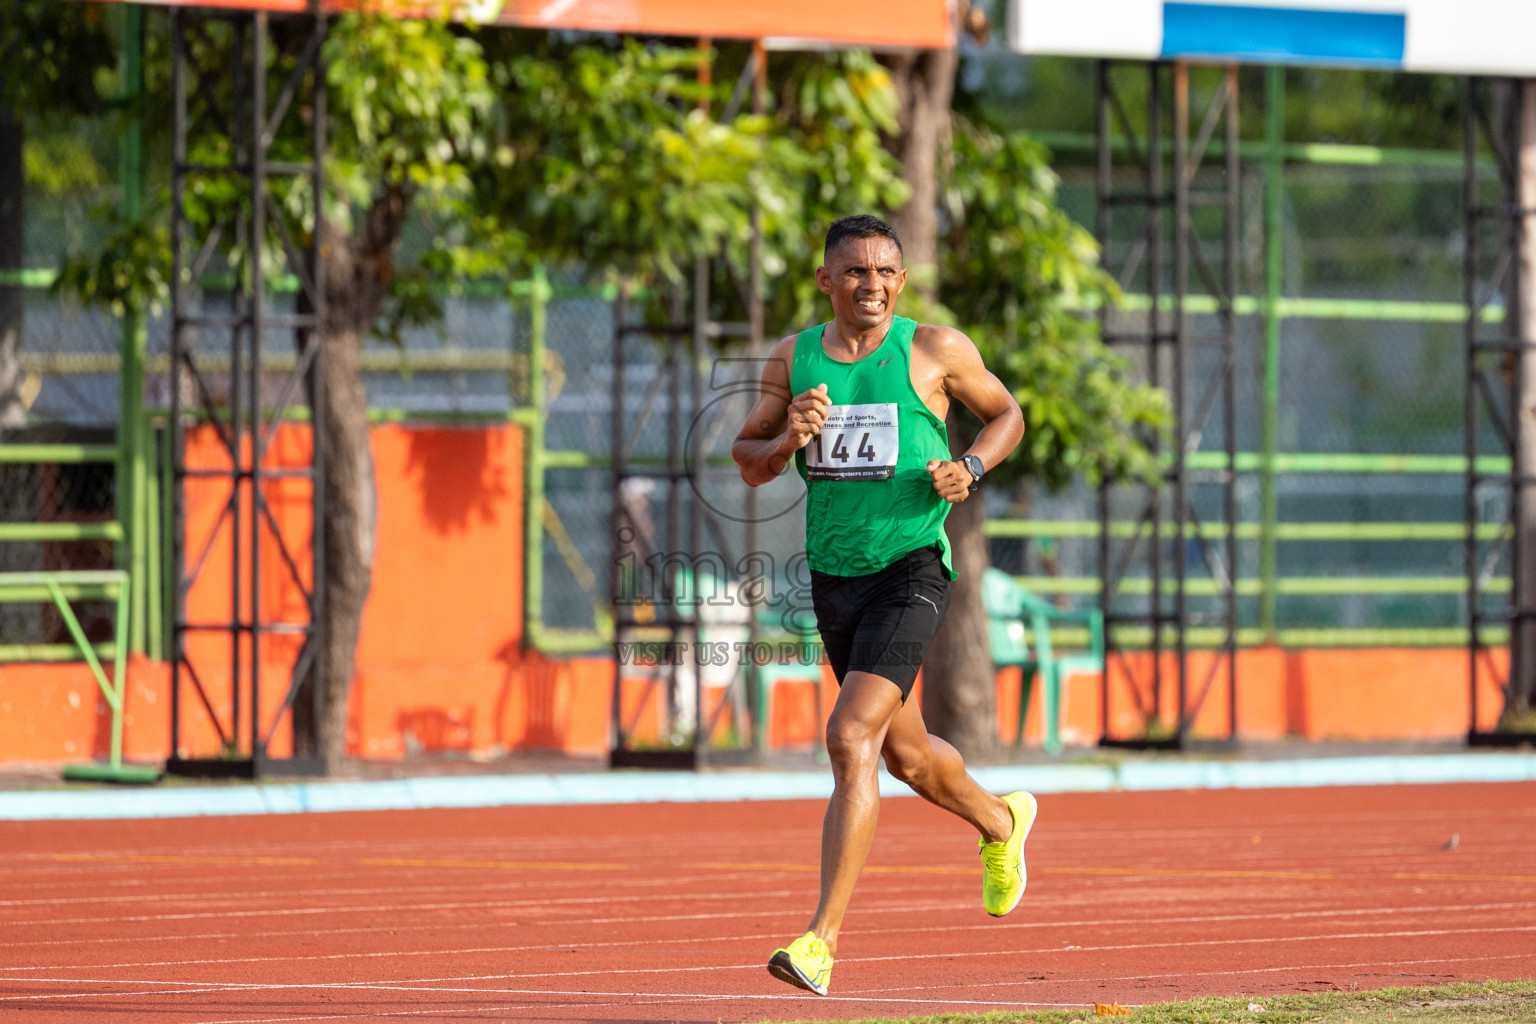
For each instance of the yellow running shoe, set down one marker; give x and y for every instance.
(804, 963)
(1004, 877)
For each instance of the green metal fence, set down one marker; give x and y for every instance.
(1351, 487)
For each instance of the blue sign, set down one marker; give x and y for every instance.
(1273, 35)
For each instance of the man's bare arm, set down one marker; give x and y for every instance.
(967, 380)
(778, 425)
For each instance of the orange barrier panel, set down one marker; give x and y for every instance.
(918, 23)
(448, 573)
(441, 667)
(1321, 693)
(54, 713)
(482, 708)
(899, 23)
(212, 593)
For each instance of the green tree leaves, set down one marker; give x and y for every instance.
(1020, 277)
(410, 104)
(53, 54)
(129, 272)
(607, 160)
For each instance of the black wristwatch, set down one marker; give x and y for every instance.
(977, 470)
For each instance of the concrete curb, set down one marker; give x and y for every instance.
(689, 787)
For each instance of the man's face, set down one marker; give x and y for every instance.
(863, 276)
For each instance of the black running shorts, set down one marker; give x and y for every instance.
(882, 623)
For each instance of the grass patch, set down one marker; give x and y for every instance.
(1492, 1002)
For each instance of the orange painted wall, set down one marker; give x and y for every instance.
(441, 669)
(55, 713)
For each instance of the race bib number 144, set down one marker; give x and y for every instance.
(858, 442)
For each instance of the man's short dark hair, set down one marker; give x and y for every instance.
(860, 225)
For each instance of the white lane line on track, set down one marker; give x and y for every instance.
(530, 903)
(1067, 835)
(478, 1010)
(1240, 857)
(322, 851)
(706, 940)
(213, 988)
(463, 926)
(482, 925)
(1276, 834)
(397, 890)
(475, 925)
(668, 998)
(1098, 901)
(1421, 933)
(797, 911)
(1102, 898)
(375, 909)
(531, 906)
(1070, 829)
(1202, 973)
(755, 966)
(1197, 974)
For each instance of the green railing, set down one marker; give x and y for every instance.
(60, 589)
(141, 576)
(63, 587)
(1269, 585)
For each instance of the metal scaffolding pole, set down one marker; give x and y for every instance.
(246, 80)
(673, 560)
(1499, 123)
(1178, 199)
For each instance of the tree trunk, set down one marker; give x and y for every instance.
(925, 86)
(351, 517)
(357, 272)
(13, 412)
(959, 692)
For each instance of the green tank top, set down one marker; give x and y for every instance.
(870, 499)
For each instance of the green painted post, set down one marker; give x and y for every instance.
(131, 505)
(154, 611)
(119, 693)
(1274, 170)
(533, 489)
(166, 562)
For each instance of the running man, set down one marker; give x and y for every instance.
(859, 403)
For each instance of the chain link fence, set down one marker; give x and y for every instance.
(44, 498)
(1369, 428)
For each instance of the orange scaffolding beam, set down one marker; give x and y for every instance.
(925, 24)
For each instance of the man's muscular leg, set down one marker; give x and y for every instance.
(856, 730)
(936, 772)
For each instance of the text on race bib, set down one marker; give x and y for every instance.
(858, 442)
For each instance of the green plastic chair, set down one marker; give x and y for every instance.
(1014, 618)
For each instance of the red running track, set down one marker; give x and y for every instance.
(667, 912)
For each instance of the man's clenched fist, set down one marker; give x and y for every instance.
(807, 415)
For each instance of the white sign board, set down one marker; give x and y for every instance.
(1471, 37)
